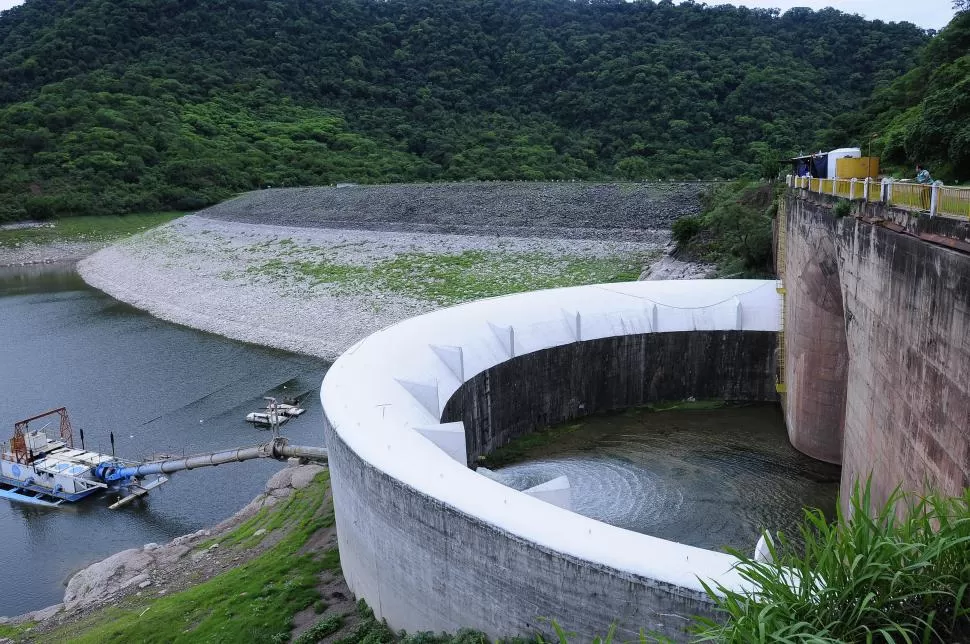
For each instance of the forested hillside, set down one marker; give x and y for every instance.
(128, 105)
(925, 115)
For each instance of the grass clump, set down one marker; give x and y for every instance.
(16, 631)
(900, 573)
(842, 208)
(320, 630)
(85, 229)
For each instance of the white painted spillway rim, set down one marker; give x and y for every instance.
(399, 379)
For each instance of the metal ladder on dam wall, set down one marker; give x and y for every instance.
(780, 258)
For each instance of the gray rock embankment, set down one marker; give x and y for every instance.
(573, 210)
(670, 268)
(160, 569)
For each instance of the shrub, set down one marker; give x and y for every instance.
(685, 228)
(900, 574)
(842, 208)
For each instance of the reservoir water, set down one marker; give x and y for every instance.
(161, 388)
(709, 478)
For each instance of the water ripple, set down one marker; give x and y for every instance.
(710, 479)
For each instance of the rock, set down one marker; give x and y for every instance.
(101, 579)
(200, 555)
(670, 268)
(43, 614)
(171, 554)
(145, 584)
(149, 547)
(280, 480)
(137, 580)
(304, 475)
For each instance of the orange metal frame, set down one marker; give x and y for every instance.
(18, 444)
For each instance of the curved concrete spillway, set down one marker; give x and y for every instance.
(431, 545)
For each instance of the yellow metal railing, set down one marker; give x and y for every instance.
(780, 269)
(915, 196)
(954, 202)
(949, 201)
(843, 188)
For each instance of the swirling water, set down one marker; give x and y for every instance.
(711, 478)
(160, 388)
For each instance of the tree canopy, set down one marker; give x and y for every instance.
(118, 106)
(924, 116)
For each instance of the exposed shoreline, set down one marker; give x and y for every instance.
(209, 274)
(317, 291)
(53, 253)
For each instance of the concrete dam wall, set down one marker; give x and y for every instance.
(432, 545)
(878, 343)
(556, 385)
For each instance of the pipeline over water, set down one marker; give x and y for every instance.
(278, 449)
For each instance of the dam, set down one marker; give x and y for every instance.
(863, 343)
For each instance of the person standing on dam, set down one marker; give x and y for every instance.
(925, 180)
(923, 175)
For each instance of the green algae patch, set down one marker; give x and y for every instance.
(452, 278)
(85, 229)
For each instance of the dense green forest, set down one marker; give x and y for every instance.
(110, 106)
(924, 116)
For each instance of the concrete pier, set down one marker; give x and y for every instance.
(878, 343)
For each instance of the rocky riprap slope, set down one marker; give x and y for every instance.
(564, 209)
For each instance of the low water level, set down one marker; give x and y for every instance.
(160, 388)
(706, 478)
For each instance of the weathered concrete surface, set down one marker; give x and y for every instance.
(429, 564)
(906, 306)
(553, 386)
(431, 545)
(817, 354)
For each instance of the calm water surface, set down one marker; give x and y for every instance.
(160, 388)
(707, 478)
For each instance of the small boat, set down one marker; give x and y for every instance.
(267, 418)
(288, 410)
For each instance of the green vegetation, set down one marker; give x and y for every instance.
(843, 208)
(15, 631)
(866, 577)
(923, 116)
(734, 230)
(252, 603)
(108, 108)
(85, 229)
(453, 278)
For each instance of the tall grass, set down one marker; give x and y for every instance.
(899, 574)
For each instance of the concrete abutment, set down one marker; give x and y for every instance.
(878, 373)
